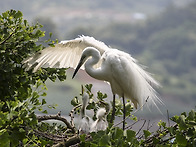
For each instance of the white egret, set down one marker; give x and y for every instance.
(84, 121)
(126, 77)
(101, 122)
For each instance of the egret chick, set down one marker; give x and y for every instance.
(84, 120)
(101, 122)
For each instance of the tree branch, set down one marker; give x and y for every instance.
(60, 140)
(150, 139)
(52, 137)
(56, 117)
(132, 113)
(7, 38)
(141, 127)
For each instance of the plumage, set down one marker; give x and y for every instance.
(101, 122)
(63, 55)
(126, 77)
(84, 121)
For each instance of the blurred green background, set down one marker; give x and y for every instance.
(161, 34)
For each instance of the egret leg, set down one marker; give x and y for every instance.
(124, 111)
(113, 109)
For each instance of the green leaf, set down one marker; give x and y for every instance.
(181, 140)
(93, 145)
(5, 14)
(25, 22)
(88, 87)
(51, 44)
(45, 112)
(40, 33)
(146, 133)
(161, 123)
(104, 141)
(155, 140)
(75, 101)
(171, 130)
(101, 96)
(50, 34)
(182, 123)
(43, 101)
(191, 115)
(2, 131)
(130, 135)
(128, 108)
(118, 133)
(83, 137)
(175, 118)
(18, 14)
(44, 94)
(4, 138)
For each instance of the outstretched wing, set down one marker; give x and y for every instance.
(63, 55)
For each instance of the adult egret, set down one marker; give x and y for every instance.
(126, 77)
(101, 122)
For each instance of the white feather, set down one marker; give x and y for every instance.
(101, 122)
(63, 55)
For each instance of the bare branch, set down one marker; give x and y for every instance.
(150, 126)
(130, 126)
(150, 139)
(141, 107)
(168, 118)
(68, 142)
(132, 113)
(8, 36)
(56, 117)
(53, 137)
(141, 127)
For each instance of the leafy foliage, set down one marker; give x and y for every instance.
(182, 133)
(20, 90)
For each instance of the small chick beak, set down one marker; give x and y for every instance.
(77, 68)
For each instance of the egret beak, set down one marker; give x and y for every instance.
(78, 67)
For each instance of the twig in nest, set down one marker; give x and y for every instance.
(53, 137)
(56, 117)
(68, 142)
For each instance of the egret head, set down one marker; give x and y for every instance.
(101, 113)
(89, 51)
(85, 99)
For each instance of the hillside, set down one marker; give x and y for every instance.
(70, 14)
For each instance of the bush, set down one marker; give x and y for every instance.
(19, 90)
